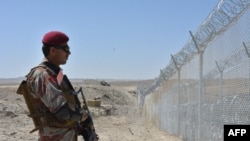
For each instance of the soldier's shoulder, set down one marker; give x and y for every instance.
(38, 71)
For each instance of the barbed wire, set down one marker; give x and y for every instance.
(216, 23)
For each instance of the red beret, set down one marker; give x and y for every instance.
(55, 38)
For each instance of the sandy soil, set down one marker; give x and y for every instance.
(117, 119)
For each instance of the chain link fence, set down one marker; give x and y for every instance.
(206, 85)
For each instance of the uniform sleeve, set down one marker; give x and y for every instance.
(47, 90)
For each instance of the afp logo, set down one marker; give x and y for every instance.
(236, 132)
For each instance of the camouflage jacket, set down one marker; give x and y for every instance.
(44, 85)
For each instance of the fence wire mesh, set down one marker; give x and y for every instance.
(207, 83)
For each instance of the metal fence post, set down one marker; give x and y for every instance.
(248, 55)
(221, 90)
(178, 99)
(201, 52)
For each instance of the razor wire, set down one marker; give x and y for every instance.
(223, 15)
(193, 98)
(230, 61)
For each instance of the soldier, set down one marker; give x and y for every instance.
(56, 110)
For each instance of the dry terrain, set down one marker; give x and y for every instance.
(117, 119)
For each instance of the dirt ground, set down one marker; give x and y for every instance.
(117, 119)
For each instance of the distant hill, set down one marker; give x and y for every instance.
(11, 81)
(15, 81)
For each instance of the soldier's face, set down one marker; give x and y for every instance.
(60, 54)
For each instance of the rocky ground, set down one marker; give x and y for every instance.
(117, 119)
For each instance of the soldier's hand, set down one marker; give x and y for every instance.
(84, 115)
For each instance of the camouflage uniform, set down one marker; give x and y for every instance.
(45, 87)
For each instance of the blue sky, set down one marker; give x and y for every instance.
(109, 39)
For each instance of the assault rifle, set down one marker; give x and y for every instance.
(86, 128)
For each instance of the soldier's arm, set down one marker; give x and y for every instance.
(66, 113)
(52, 97)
